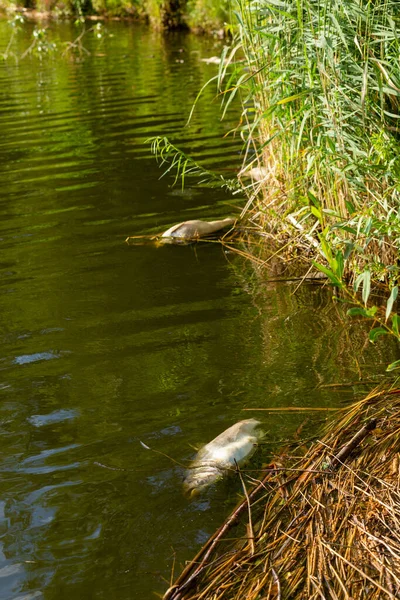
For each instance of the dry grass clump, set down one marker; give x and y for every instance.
(326, 525)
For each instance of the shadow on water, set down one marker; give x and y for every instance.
(106, 345)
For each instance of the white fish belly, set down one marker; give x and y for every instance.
(234, 453)
(234, 447)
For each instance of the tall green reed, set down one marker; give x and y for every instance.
(320, 86)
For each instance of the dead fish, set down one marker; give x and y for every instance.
(212, 60)
(191, 230)
(235, 445)
(257, 173)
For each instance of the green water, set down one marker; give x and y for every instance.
(106, 345)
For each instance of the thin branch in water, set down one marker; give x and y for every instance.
(146, 447)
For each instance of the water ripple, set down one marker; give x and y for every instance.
(56, 416)
(29, 358)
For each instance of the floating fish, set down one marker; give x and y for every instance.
(257, 173)
(212, 60)
(233, 447)
(191, 230)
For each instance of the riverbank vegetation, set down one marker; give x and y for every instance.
(320, 89)
(321, 523)
(208, 16)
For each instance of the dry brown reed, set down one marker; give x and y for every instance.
(328, 527)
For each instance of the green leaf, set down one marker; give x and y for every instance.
(348, 250)
(371, 312)
(340, 264)
(313, 199)
(317, 213)
(368, 225)
(358, 281)
(390, 302)
(395, 324)
(198, 96)
(328, 273)
(365, 279)
(366, 286)
(394, 365)
(376, 332)
(355, 311)
(326, 249)
(294, 97)
(344, 228)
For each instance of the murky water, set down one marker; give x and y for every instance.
(104, 345)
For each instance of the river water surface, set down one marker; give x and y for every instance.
(105, 345)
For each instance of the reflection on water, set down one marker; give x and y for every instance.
(106, 345)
